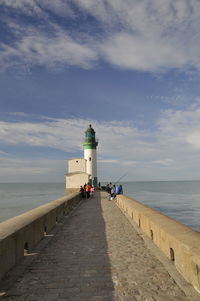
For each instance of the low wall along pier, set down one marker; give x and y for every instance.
(178, 242)
(19, 235)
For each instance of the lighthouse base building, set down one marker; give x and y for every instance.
(83, 170)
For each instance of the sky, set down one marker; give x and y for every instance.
(131, 68)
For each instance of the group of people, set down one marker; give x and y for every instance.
(87, 191)
(113, 190)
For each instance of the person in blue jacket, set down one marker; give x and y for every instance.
(118, 189)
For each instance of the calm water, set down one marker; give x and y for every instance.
(178, 199)
(19, 198)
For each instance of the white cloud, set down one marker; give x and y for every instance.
(194, 138)
(147, 35)
(179, 123)
(178, 100)
(27, 171)
(31, 7)
(2, 154)
(118, 140)
(39, 48)
(133, 52)
(172, 151)
(108, 161)
(28, 7)
(22, 4)
(14, 169)
(59, 7)
(142, 35)
(164, 162)
(50, 133)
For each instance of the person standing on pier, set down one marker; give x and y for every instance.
(112, 194)
(120, 189)
(82, 191)
(87, 190)
(92, 191)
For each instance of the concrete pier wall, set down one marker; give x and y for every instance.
(179, 243)
(20, 234)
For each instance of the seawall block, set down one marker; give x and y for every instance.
(178, 242)
(20, 234)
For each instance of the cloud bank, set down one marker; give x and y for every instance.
(139, 35)
(171, 151)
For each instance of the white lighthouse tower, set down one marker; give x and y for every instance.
(90, 144)
(83, 170)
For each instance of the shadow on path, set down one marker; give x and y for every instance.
(74, 265)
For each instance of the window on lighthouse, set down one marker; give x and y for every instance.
(90, 159)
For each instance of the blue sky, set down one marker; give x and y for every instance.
(129, 67)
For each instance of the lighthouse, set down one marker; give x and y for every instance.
(83, 170)
(89, 145)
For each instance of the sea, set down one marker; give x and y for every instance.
(177, 199)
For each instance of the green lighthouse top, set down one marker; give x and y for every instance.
(90, 141)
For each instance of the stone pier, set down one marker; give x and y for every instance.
(93, 254)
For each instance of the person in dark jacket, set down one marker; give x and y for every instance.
(108, 188)
(82, 191)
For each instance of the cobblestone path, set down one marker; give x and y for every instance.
(96, 255)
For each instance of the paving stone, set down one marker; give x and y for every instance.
(128, 298)
(96, 255)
